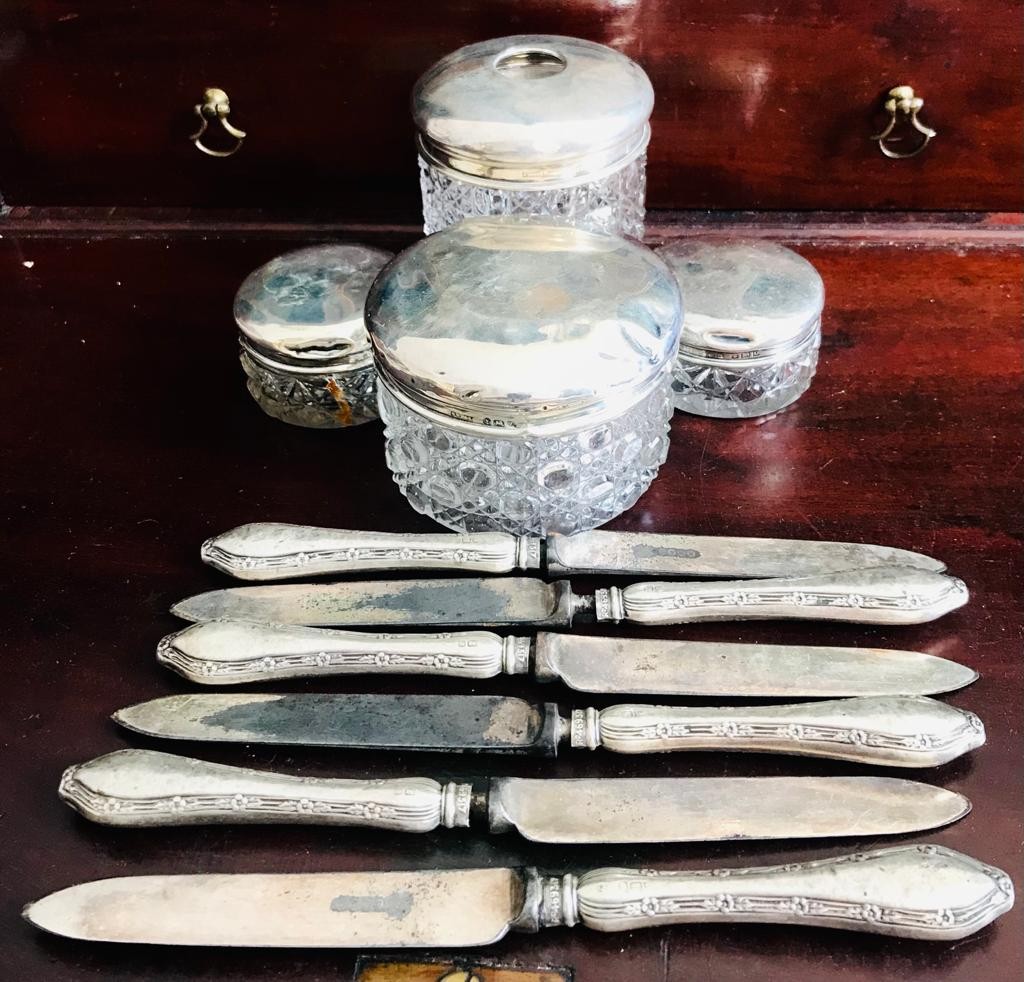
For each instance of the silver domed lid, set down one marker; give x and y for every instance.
(533, 109)
(522, 322)
(744, 299)
(305, 308)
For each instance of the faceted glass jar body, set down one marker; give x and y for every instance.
(737, 389)
(313, 399)
(613, 203)
(534, 125)
(523, 484)
(750, 339)
(302, 337)
(525, 373)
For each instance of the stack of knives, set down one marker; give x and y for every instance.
(869, 705)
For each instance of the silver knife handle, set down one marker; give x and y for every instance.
(911, 891)
(883, 595)
(228, 652)
(144, 788)
(900, 731)
(275, 551)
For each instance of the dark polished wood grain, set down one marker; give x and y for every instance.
(128, 437)
(759, 104)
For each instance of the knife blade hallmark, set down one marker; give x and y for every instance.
(898, 731)
(233, 652)
(266, 551)
(146, 788)
(926, 891)
(884, 595)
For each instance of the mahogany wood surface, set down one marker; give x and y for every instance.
(128, 437)
(759, 104)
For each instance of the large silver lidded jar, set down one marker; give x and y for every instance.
(752, 331)
(525, 372)
(302, 335)
(536, 125)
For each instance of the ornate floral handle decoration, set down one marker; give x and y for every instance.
(883, 595)
(227, 652)
(275, 551)
(145, 788)
(900, 731)
(912, 891)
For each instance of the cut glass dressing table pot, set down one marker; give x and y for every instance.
(749, 343)
(534, 124)
(302, 338)
(524, 371)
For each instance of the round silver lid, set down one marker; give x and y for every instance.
(305, 308)
(533, 109)
(522, 322)
(744, 299)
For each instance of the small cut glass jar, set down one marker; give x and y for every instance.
(525, 373)
(302, 336)
(535, 125)
(750, 338)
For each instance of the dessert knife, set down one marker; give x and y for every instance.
(144, 788)
(275, 551)
(231, 652)
(912, 891)
(911, 731)
(884, 595)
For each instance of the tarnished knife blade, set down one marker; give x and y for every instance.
(428, 602)
(289, 910)
(708, 809)
(492, 724)
(720, 557)
(638, 666)
(899, 731)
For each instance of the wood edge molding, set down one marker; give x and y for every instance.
(921, 229)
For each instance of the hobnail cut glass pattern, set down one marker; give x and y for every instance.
(615, 203)
(527, 485)
(318, 401)
(729, 390)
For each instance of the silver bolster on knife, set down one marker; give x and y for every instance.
(274, 551)
(909, 891)
(899, 731)
(882, 595)
(144, 788)
(225, 652)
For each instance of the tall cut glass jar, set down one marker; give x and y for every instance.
(534, 125)
(302, 338)
(752, 331)
(525, 373)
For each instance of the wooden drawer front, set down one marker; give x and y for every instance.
(759, 105)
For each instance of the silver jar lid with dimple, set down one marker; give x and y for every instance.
(522, 323)
(533, 110)
(304, 310)
(745, 301)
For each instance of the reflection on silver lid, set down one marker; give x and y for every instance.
(513, 322)
(305, 308)
(533, 109)
(744, 298)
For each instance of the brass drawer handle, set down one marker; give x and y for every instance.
(903, 104)
(215, 106)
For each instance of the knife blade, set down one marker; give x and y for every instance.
(914, 891)
(232, 652)
(911, 731)
(885, 595)
(146, 789)
(275, 551)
